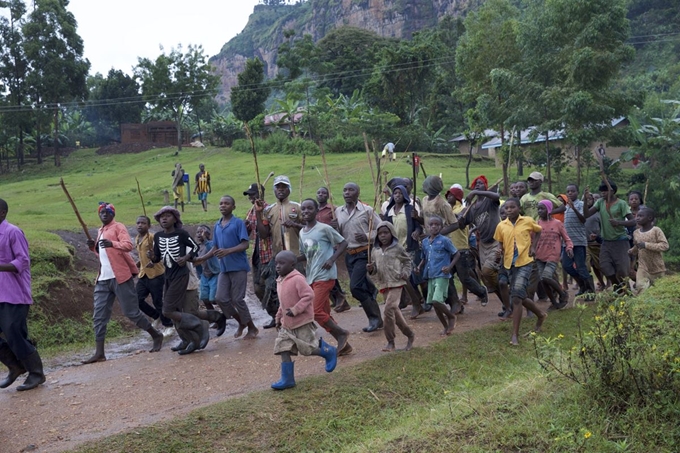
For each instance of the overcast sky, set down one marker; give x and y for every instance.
(115, 33)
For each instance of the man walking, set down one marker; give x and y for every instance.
(202, 186)
(16, 351)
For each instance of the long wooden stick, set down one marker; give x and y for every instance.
(302, 175)
(257, 168)
(75, 209)
(370, 162)
(141, 197)
(268, 178)
(328, 180)
(603, 175)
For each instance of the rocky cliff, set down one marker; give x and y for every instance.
(264, 32)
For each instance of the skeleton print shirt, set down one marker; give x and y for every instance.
(168, 247)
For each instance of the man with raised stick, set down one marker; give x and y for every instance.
(357, 223)
(281, 222)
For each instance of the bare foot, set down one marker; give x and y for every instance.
(409, 344)
(157, 343)
(239, 331)
(389, 347)
(514, 341)
(451, 326)
(539, 321)
(252, 333)
(95, 358)
(415, 313)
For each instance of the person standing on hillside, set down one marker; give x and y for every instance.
(202, 186)
(280, 222)
(115, 281)
(178, 185)
(16, 351)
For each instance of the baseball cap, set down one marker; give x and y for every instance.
(536, 176)
(252, 190)
(282, 179)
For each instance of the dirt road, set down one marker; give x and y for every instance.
(84, 402)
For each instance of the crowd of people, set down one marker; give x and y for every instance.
(523, 249)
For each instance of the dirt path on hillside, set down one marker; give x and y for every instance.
(85, 402)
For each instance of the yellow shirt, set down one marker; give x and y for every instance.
(459, 237)
(143, 245)
(517, 235)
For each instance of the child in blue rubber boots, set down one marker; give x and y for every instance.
(295, 321)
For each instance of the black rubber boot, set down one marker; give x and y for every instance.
(216, 317)
(36, 376)
(16, 369)
(98, 355)
(194, 329)
(205, 335)
(372, 310)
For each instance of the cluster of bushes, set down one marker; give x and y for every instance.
(627, 361)
(277, 143)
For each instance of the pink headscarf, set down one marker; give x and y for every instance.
(548, 205)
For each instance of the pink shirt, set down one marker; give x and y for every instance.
(124, 267)
(549, 247)
(15, 287)
(296, 294)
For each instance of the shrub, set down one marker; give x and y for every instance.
(631, 355)
(344, 144)
(277, 143)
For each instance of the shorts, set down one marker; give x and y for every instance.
(546, 269)
(203, 196)
(593, 256)
(437, 289)
(208, 287)
(490, 255)
(519, 280)
(503, 276)
(614, 258)
(297, 341)
(178, 193)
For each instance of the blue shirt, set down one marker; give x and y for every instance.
(231, 235)
(438, 253)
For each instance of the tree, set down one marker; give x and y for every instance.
(13, 67)
(248, 98)
(486, 54)
(176, 83)
(114, 100)
(346, 56)
(56, 70)
(573, 52)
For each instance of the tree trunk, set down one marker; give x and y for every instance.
(520, 154)
(20, 149)
(547, 161)
(179, 133)
(578, 166)
(504, 162)
(467, 166)
(57, 157)
(38, 141)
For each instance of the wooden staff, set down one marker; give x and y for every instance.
(370, 163)
(603, 175)
(75, 209)
(260, 189)
(139, 191)
(328, 181)
(302, 175)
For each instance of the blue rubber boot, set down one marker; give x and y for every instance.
(330, 353)
(287, 377)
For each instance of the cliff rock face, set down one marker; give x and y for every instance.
(264, 32)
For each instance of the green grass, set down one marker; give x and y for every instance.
(469, 393)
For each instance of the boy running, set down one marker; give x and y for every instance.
(514, 234)
(439, 258)
(548, 250)
(390, 269)
(649, 242)
(295, 321)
